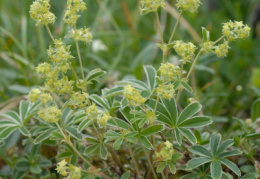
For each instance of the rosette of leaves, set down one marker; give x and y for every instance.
(216, 156)
(167, 113)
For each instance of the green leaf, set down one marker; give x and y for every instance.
(7, 131)
(152, 130)
(176, 156)
(177, 134)
(83, 124)
(200, 150)
(22, 165)
(186, 86)
(171, 107)
(134, 83)
(118, 143)
(146, 142)
(36, 169)
(215, 170)
(150, 73)
(205, 34)
(224, 146)
(44, 135)
(91, 149)
(72, 131)
(100, 101)
(94, 74)
(6, 124)
(189, 111)
(255, 110)
(116, 91)
(189, 135)
(103, 152)
(195, 162)
(253, 136)
(172, 167)
(24, 131)
(231, 166)
(161, 167)
(198, 121)
(118, 122)
(126, 175)
(230, 153)
(23, 109)
(214, 143)
(12, 115)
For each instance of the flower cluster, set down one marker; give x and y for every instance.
(102, 121)
(78, 100)
(92, 112)
(234, 30)
(73, 7)
(166, 91)
(147, 6)
(39, 11)
(222, 49)
(51, 114)
(169, 72)
(208, 46)
(166, 152)
(188, 5)
(36, 94)
(133, 96)
(185, 50)
(82, 34)
(67, 170)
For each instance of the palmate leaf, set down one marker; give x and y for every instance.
(214, 143)
(197, 121)
(216, 169)
(195, 162)
(150, 73)
(231, 166)
(152, 130)
(189, 111)
(145, 142)
(255, 110)
(94, 74)
(200, 150)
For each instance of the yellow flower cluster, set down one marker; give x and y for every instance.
(147, 6)
(92, 112)
(151, 116)
(169, 72)
(166, 152)
(234, 30)
(166, 91)
(51, 114)
(78, 100)
(102, 121)
(82, 34)
(133, 96)
(67, 170)
(73, 7)
(188, 5)
(208, 46)
(185, 50)
(39, 11)
(36, 94)
(222, 49)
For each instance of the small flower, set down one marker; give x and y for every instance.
(39, 12)
(169, 72)
(51, 114)
(208, 46)
(78, 100)
(147, 6)
(74, 172)
(45, 98)
(185, 50)
(234, 30)
(133, 96)
(150, 116)
(82, 34)
(222, 49)
(62, 168)
(103, 120)
(188, 5)
(73, 7)
(166, 91)
(92, 112)
(166, 152)
(34, 95)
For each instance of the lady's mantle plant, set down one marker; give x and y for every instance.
(136, 129)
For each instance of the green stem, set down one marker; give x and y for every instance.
(134, 161)
(74, 73)
(222, 37)
(194, 62)
(167, 172)
(150, 163)
(48, 29)
(80, 61)
(158, 24)
(175, 27)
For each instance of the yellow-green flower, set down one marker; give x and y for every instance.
(166, 152)
(185, 50)
(166, 91)
(102, 121)
(82, 34)
(147, 6)
(222, 49)
(188, 5)
(62, 168)
(133, 96)
(51, 114)
(169, 72)
(71, 14)
(34, 95)
(78, 100)
(234, 30)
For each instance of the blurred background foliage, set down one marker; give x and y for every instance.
(124, 41)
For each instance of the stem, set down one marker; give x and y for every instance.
(48, 29)
(167, 172)
(194, 62)
(163, 176)
(222, 37)
(74, 73)
(158, 24)
(175, 27)
(134, 161)
(150, 163)
(80, 61)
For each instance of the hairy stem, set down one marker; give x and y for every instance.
(175, 27)
(134, 161)
(80, 61)
(150, 163)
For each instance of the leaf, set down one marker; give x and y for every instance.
(91, 149)
(36, 169)
(253, 136)
(150, 75)
(172, 167)
(255, 110)
(94, 74)
(161, 167)
(231, 166)
(118, 122)
(171, 107)
(22, 165)
(195, 162)
(103, 152)
(198, 121)
(107, 93)
(205, 34)
(152, 130)
(83, 124)
(145, 142)
(126, 175)
(24, 131)
(214, 143)
(224, 146)
(200, 150)
(186, 86)
(189, 111)
(100, 101)
(7, 131)
(44, 135)
(72, 131)
(216, 170)
(23, 109)
(178, 136)
(189, 135)
(176, 156)
(134, 83)
(230, 153)
(118, 143)
(13, 116)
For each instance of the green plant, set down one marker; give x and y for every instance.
(144, 121)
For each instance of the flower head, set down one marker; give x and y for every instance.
(92, 112)
(133, 96)
(234, 30)
(147, 6)
(102, 121)
(185, 50)
(82, 34)
(51, 114)
(166, 152)
(78, 100)
(166, 91)
(222, 49)
(71, 14)
(62, 168)
(39, 12)
(188, 5)
(169, 72)
(34, 95)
